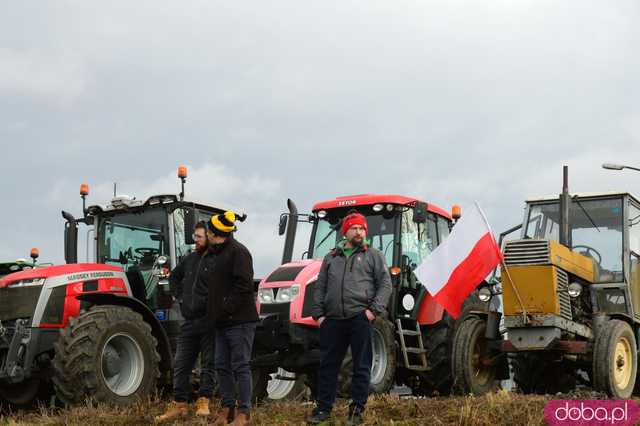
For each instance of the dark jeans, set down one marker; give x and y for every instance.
(196, 338)
(336, 335)
(233, 356)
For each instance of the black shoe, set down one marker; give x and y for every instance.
(318, 416)
(356, 416)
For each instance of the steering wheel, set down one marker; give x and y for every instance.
(591, 250)
(147, 251)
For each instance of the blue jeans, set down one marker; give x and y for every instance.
(196, 338)
(232, 361)
(336, 335)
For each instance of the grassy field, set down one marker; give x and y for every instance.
(501, 408)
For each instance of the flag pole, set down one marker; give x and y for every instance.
(525, 317)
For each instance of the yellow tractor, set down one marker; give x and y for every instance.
(571, 296)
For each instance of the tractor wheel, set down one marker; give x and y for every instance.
(615, 361)
(535, 373)
(383, 367)
(106, 354)
(438, 341)
(291, 388)
(472, 374)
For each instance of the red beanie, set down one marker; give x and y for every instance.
(354, 219)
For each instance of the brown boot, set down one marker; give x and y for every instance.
(174, 410)
(242, 419)
(202, 407)
(225, 416)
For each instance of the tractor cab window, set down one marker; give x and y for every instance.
(596, 232)
(418, 239)
(182, 249)
(380, 233)
(134, 241)
(634, 249)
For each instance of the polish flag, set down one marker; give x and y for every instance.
(456, 267)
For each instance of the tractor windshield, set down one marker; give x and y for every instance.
(380, 233)
(134, 241)
(595, 227)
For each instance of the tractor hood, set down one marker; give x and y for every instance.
(82, 270)
(296, 272)
(302, 274)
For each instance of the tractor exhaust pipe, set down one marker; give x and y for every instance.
(565, 204)
(70, 238)
(292, 227)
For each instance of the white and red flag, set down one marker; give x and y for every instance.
(463, 260)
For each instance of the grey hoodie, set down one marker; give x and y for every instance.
(348, 286)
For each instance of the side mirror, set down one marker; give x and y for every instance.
(282, 226)
(189, 224)
(420, 212)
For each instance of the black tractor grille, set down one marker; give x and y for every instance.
(18, 302)
(308, 299)
(276, 308)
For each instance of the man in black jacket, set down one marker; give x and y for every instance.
(189, 285)
(232, 308)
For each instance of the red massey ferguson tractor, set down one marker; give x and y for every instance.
(104, 330)
(412, 346)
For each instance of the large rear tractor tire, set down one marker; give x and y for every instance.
(438, 341)
(108, 355)
(474, 372)
(615, 360)
(383, 366)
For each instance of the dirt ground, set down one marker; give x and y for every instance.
(501, 408)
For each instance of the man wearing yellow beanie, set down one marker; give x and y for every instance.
(232, 308)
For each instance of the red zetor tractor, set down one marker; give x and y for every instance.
(412, 346)
(103, 330)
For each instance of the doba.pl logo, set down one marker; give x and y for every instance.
(591, 412)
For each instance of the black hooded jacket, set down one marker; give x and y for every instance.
(189, 283)
(231, 293)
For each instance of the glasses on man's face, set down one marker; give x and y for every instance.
(198, 237)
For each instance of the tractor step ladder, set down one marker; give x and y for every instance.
(415, 351)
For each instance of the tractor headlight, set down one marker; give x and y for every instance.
(265, 296)
(408, 302)
(574, 289)
(484, 294)
(287, 294)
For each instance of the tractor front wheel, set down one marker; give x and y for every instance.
(615, 360)
(106, 354)
(475, 373)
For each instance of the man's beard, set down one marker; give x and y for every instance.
(201, 248)
(356, 241)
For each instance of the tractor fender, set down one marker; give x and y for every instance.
(164, 347)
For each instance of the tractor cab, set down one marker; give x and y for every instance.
(146, 238)
(604, 229)
(404, 229)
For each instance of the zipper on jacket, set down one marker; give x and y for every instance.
(195, 281)
(347, 259)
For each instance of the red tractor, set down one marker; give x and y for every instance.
(412, 346)
(103, 330)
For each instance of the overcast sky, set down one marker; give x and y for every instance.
(450, 101)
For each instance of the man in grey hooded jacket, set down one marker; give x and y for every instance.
(353, 288)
